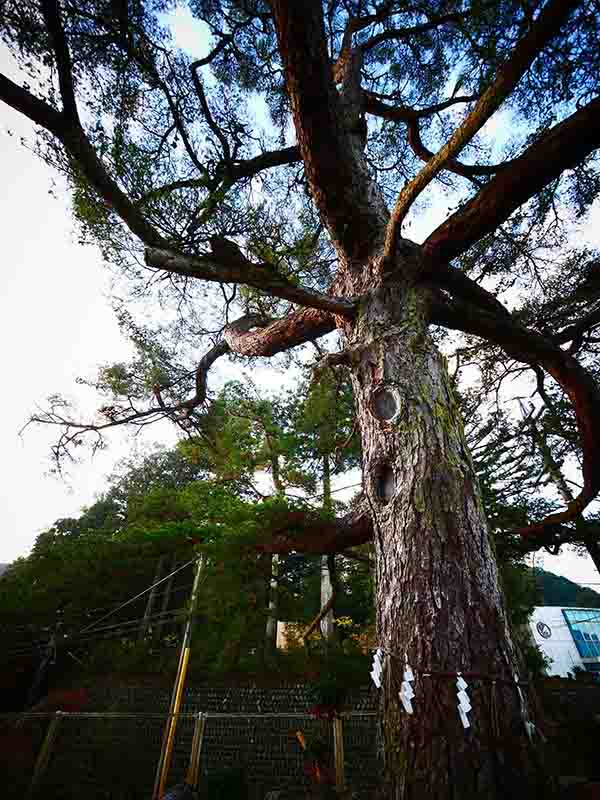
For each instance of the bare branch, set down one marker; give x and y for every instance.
(206, 111)
(239, 270)
(374, 105)
(532, 348)
(452, 164)
(398, 34)
(234, 171)
(561, 148)
(586, 323)
(411, 117)
(543, 30)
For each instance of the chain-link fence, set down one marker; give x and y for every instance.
(113, 756)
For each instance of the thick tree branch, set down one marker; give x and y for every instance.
(306, 533)
(53, 22)
(298, 328)
(79, 148)
(536, 350)
(204, 365)
(266, 160)
(349, 203)
(561, 148)
(32, 107)
(224, 269)
(462, 287)
(543, 30)
(238, 270)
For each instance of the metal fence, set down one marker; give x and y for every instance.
(113, 756)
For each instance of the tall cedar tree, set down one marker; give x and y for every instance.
(173, 155)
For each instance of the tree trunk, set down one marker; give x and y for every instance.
(327, 563)
(271, 624)
(273, 582)
(438, 601)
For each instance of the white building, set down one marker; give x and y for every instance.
(568, 637)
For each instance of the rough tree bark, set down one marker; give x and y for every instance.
(438, 599)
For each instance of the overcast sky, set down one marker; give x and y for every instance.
(56, 324)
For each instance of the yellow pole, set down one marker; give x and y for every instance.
(164, 762)
(173, 723)
(44, 755)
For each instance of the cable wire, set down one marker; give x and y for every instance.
(137, 596)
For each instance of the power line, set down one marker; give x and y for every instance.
(140, 594)
(106, 632)
(319, 496)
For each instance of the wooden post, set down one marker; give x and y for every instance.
(151, 598)
(193, 775)
(313, 625)
(338, 746)
(272, 609)
(44, 755)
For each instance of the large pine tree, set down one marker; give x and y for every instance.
(280, 169)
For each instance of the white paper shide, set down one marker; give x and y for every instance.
(407, 693)
(377, 670)
(464, 704)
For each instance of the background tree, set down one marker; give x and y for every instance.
(173, 154)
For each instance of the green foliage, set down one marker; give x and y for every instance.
(521, 591)
(128, 656)
(333, 672)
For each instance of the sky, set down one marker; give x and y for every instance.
(56, 323)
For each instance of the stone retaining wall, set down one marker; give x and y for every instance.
(101, 758)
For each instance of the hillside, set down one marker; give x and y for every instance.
(555, 590)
